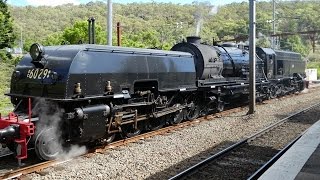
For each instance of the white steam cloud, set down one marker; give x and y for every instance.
(50, 116)
(214, 10)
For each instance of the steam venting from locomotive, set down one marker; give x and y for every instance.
(198, 19)
(50, 116)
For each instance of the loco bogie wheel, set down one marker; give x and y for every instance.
(204, 111)
(177, 117)
(193, 112)
(220, 106)
(273, 91)
(47, 144)
(279, 91)
(129, 131)
(110, 138)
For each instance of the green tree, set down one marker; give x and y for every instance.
(53, 39)
(294, 43)
(79, 32)
(7, 36)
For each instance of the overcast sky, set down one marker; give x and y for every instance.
(59, 2)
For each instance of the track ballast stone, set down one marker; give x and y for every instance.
(163, 156)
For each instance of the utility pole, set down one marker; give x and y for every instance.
(252, 57)
(109, 28)
(273, 23)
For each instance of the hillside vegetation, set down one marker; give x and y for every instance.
(162, 24)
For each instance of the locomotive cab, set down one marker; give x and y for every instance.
(268, 57)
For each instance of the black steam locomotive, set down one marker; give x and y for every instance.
(75, 94)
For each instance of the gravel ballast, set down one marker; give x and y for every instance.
(162, 156)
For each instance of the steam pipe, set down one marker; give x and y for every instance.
(89, 30)
(93, 30)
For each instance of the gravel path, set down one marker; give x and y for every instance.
(162, 156)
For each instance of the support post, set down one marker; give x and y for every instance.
(252, 57)
(273, 24)
(29, 109)
(119, 33)
(109, 23)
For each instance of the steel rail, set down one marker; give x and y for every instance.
(268, 164)
(239, 143)
(6, 155)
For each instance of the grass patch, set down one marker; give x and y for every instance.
(5, 76)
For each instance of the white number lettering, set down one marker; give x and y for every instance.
(45, 73)
(31, 73)
(49, 72)
(38, 73)
(39, 76)
(28, 74)
(35, 74)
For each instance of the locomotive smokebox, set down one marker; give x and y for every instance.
(194, 39)
(208, 65)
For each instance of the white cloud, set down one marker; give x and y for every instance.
(51, 2)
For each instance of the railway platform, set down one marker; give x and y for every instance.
(301, 161)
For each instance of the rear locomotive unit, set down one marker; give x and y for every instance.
(80, 94)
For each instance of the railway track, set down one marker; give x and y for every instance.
(242, 159)
(9, 168)
(12, 171)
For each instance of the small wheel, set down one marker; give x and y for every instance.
(47, 145)
(110, 138)
(193, 112)
(129, 131)
(220, 106)
(273, 91)
(204, 111)
(280, 89)
(177, 117)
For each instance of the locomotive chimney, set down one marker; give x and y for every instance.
(89, 30)
(93, 30)
(194, 39)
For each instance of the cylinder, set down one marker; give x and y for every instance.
(84, 113)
